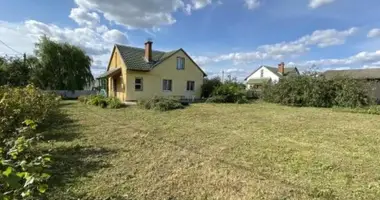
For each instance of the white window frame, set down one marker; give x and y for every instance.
(261, 73)
(166, 85)
(141, 84)
(187, 86)
(181, 63)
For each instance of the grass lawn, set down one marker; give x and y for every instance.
(206, 151)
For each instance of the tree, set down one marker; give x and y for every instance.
(209, 86)
(14, 71)
(61, 66)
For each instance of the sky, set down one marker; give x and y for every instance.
(230, 36)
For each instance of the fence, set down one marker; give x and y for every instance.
(67, 94)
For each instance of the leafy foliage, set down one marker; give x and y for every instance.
(228, 93)
(318, 92)
(63, 66)
(101, 101)
(209, 85)
(160, 104)
(14, 71)
(23, 170)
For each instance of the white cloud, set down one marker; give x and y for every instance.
(84, 18)
(329, 37)
(252, 4)
(374, 33)
(141, 13)
(97, 44)
(360, 59)
(318, 3)
(278, 51)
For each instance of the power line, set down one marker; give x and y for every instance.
(10, 47)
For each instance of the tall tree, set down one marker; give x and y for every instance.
(61, 66)
(13, 71)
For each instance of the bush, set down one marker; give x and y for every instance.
(23, 171)
(228, 93)
(317, 92)
(160, 103)
(114, 103)
(101, 101)
(209, 85)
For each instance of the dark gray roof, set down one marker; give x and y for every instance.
(354, 73)
(289, 71)
(133, 57)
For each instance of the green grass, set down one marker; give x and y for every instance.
(207, 151)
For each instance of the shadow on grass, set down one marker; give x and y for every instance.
(71, 160)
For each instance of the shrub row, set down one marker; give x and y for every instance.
(160, 104)
(228, 93)
(101, 101)
(23, 172)
(318, 92)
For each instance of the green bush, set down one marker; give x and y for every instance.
(101, 101)
(209, 85)
(317, 92)
(230, 92)
(23, 171)
(160, 104)
(114, 103)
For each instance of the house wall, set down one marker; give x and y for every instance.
(121, 80)
(267, 74)
(152, 80)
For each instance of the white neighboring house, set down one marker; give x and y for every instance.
(264, 74)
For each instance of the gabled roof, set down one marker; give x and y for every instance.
(354, 73)
(288, 71)
(134, 59)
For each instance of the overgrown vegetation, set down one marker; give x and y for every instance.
(160, 104)
(101, 101)
(228, 92)
(318, 92)
(23, 169)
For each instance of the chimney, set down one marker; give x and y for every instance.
(281, 68)
(148, 51)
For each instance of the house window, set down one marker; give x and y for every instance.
(180, 63)
(138, 84)
(190, 85)
(167, 85)
(262, 73)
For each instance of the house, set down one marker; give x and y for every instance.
(264, 74)
(370, 75)
(141, 73)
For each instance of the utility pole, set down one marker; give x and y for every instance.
(222, 76)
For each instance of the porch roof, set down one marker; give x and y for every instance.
(109, 73)
(258, 80)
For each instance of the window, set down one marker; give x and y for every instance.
(262, 73)
(180, 63)
(167, 85)
(138, 84)
(190, 85)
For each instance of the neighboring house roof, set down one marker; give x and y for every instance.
(289, 71)
(354, 73)
(134, 58)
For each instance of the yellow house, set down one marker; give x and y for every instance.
(136, 73)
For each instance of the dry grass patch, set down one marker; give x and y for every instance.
(208, 151)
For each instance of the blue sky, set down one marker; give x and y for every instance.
(235, 36)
